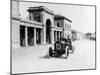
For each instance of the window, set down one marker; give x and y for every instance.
(37, 18)
(58, 25)
(67, 26)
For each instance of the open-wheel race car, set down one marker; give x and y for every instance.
(61, 47)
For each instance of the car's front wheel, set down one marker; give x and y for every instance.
(50, 51)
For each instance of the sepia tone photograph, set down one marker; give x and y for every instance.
(52, 37)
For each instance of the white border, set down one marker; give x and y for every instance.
(5, 37)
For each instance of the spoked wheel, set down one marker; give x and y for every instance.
(66, 52)
(52, 53)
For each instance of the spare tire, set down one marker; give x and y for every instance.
(58, 46)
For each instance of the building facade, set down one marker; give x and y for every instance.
(62, 27)
(77, 35)
(41, 27)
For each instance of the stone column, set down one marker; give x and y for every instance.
(34, 36)
(56, 35)
(52, 35)
(44, 35)
(59, 35)
(64, 34)
(26, 37)
(41, 35)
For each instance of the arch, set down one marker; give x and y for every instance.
(58, 24)
(48, 23)
(48, 31)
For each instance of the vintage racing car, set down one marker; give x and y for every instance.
(61, 47)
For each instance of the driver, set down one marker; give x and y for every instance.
(69, 43)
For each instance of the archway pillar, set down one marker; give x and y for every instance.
(52, 35)
(59, 35)
(56, 35)
(26, 37)
(34, 36)
(44, 35)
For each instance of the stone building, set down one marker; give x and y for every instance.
(42, 26)
(62, 27)
(76, 35)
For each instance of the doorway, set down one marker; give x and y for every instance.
(30, 31)
(22, 36)
(48, 31)
(38, 36)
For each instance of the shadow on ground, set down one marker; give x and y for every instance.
(44, 57)
(48, 57)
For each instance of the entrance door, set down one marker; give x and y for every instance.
(22, 35)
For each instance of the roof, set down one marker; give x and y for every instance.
(43, 8)
(61, 17)
(40, 8)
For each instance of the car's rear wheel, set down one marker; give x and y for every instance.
(51, 52)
